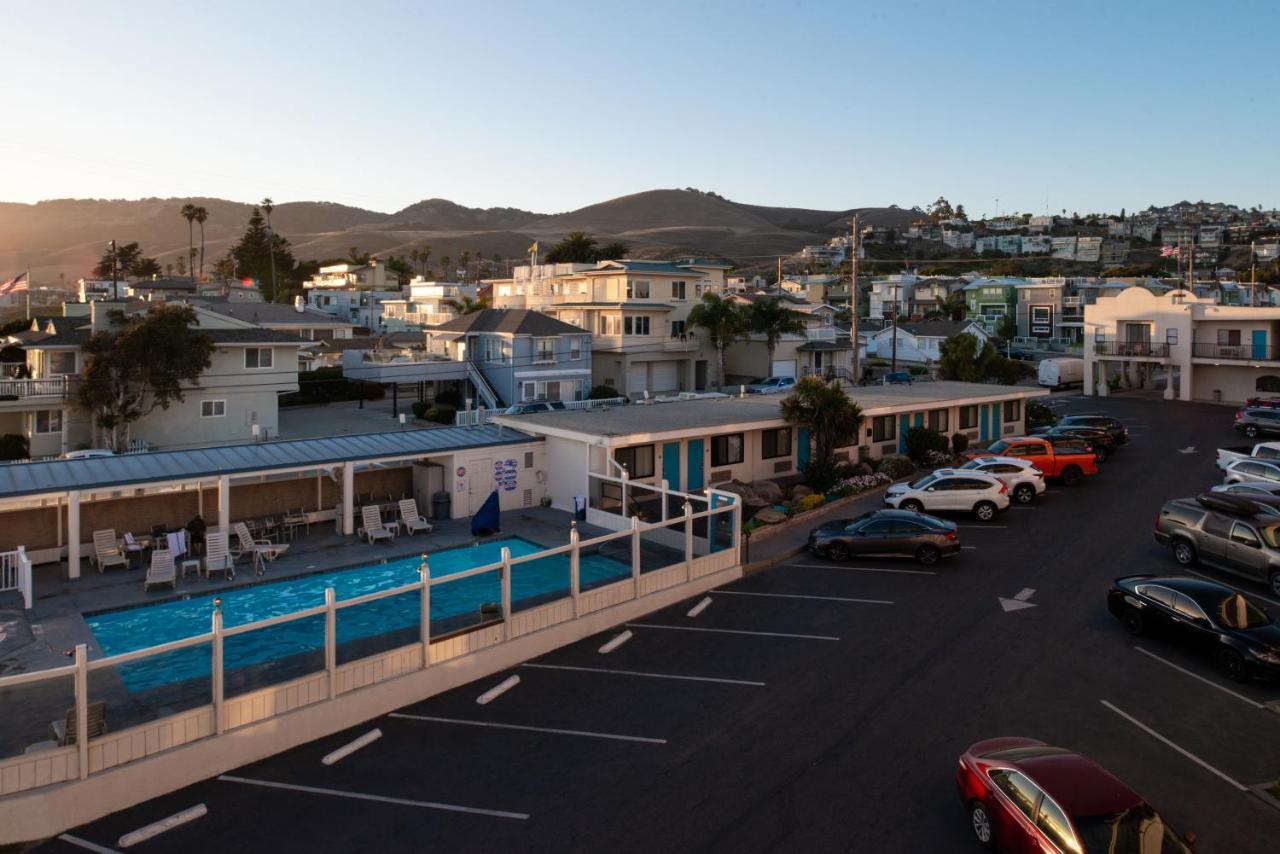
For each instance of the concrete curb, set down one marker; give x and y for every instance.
(782, 557)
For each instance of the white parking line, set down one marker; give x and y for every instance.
(985, 527)
(498, 690)
(700, 607)
(610, 736)
(1224, 689)
(1188, 754)
(156, 828)
(347, 749)
(86, 844)
(361, 796)
(805, 596)
(1248, 593)
(861, 568)
(614, 643)
(717, 680)
(731, 632)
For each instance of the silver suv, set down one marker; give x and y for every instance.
(1227, 532)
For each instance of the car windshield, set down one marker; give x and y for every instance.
(998, 447)
(1237, 612)
(924, 481)
(972, 464)
(1270, 533)
(1139, 829)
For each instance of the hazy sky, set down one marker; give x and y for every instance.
(552, 105)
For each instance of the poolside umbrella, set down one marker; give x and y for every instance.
(485, 521)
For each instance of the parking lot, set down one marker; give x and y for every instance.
(811, 707)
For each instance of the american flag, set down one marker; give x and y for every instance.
(14, 285)
(1170, 251)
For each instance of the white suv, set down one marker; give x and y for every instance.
(1250, 469)
(983, 495)
(1024, 480)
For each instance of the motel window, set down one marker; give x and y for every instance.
(726, 450)
(678, 327)
(939, 421)
(528, 391)
(1012, 410)
(638, 289)
(257, 357)
(62, 362)
(1171, 336)
(638, 460)
(968, 417)
(775, 443)
(678, 290)
(48, 421)
(1229, 337)
(882, 428)
(610, 324)
(213, 408)
(546, 349)
(575, 349)
(635, 325)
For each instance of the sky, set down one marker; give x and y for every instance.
(549, 106)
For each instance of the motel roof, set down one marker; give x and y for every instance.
(622, 425)
(98, 473)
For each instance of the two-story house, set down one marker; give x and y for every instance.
(424, 304)
(822, 348)
(296, 319)
(891, 296)
(353, 292)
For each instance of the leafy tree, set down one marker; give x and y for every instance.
(189, 214)
(225, 268)
(260, 253)
(612, 251)
(401, 268)
(577, 248)
(425, 256)
(355, 256)
(961, 357)
(1008, 327)
(954, 306)
(181, 265)
(724, 321)
(145, 268)
(960, 214)
(128, 262)
(14, 446)
(465, 260)
(941, 209)
(1039, 415)
(1008, 371)
(466, 305)
(832, 418)
(141, 364)
(772, 319)
(603, 392)
(202, 214)
(921, 440)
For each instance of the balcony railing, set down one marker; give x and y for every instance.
(1140, 349)
(1238, 352)
(21, 389)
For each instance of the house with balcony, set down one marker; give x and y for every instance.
(930, 295)
(821, 349)
(424, 304)
(1190, 347)
(891, 296)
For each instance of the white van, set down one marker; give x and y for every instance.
(1060, 373)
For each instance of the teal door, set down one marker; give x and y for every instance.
(693, 466)
(984, 431)
(1259, 343)
(995, 421)
(671, 464)
(904, 424)
(919, 419)
(802, 448)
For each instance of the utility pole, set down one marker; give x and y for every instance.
(268, 206)
(115, 288)
(778, 286)
(893, 335)
(855, 374)
(1253, 273)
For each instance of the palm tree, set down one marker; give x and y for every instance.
(466, 305)
(267, 207)
(413, 257)
(189, 214)
(444, 267)
(201, 215)
(832, 418)
(768, 316)
(724, 320)
(464, 259)
(425, 255)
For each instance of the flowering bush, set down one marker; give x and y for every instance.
(860, 483)
(936, 459)
(809, 502)
(895, 466)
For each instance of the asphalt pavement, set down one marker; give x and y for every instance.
(810, 707)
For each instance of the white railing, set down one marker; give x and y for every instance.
(483, 415)
(674, 536)
(15, 574)
(481, 383)
(53, 387)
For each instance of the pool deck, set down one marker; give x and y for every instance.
(41, 638)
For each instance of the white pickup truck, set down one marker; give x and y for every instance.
(1261, 451)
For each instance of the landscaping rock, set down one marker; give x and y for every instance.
(750, 497)
(767, 490)
(800, 491)
(769, 516)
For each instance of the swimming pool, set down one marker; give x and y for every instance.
(149, 625)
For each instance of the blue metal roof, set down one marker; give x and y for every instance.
(133, 469)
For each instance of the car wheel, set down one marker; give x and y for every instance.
(911, 504)
(928, 555)
(1231, 663)
(1071, 475)
(980, 819)
(1251, 432)
(1100, 454)
(1184, 553)
(985, 511)
(1133, 623)
(1274, 580)
(837, 552)
(1024, 494)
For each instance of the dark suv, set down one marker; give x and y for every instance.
(1253, 422)
(1227, 532)
(1114, 428)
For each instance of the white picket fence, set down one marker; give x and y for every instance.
(15, 574)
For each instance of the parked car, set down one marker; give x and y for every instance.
(1060, 372)
(1208, 617)
(1102, 442)
(1263, 403)
(534, 406)
(887, 532)
(88, 454)
(1025, 796)
(772, 385)
(1239, 471)
(1024, 480)
(1227, 532)
(970, 492)
(1264, 493)
(1068, 459)
(1113, 426)
(895, 378)
(1021, 355)
(1255, 422)
(1260, 451)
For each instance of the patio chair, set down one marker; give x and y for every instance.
(259, 549)
(132, 547)
(374, 528)
(64, 731)
(217, 556)
(161, 570)
(413, 520)
(106, 550)
(295, 519)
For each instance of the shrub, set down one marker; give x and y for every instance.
(420, 409)
(603, 392)
(449, 396)
(895, 466)
(1039, 415)
(1009, 371)
(441, 414)
(917, 371)
(809, 502)
(820, 474)
(959, 443)
(327, 385)
(921, 440)
(14, 446)
(844, 471)
(937, 459)
(860, 483)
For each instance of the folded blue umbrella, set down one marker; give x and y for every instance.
(486, 519)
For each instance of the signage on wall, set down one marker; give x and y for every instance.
(505, 474)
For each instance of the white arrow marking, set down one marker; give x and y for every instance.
(1019, 601)
(1189, 449)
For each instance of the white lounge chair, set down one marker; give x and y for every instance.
(374, 528)
(259, 549)
(217, 556)
(106, 550)
(64, 731)
(412, 519)
(161, 570)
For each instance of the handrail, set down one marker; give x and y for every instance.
(147, 652)
(245, 628)
(37, 675)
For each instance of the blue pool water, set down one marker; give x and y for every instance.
(148, 625)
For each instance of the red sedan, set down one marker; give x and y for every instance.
(1026, 797)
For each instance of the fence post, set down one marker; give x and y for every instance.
(82, 707)
(331, 640)
(575, 577)
(215, 669)
(666, 488)
(24, 578)
(506, 593)
(688, 541)
(424, 611)
(635, 554)
(625, 478)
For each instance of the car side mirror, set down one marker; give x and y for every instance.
(929, 489)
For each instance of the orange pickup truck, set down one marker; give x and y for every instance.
(1068, 460)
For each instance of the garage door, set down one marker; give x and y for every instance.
(666, 376)
(783, 368)
(637, 377)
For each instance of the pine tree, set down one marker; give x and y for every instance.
(252, 255)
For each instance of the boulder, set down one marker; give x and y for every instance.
(769, 516)
(768, 490)
(800, 491)
(749, 496)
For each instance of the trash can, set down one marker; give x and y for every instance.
(441, 505)
(580, 508)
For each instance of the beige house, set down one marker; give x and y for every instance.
(822, 349)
